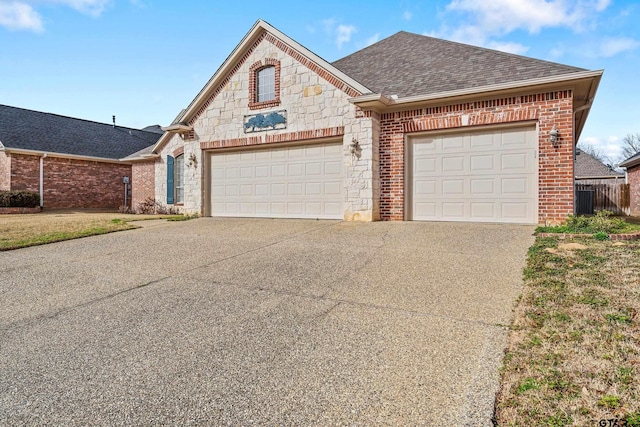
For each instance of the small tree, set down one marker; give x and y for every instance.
(630, 145)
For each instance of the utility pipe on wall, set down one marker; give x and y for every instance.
(42, 179)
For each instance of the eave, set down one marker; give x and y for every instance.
(177, 128)
(41, 153)
(583, 83)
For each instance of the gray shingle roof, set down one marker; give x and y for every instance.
(407, 64)
(35, 130)
(588, 166)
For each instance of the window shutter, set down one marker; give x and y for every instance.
(170, 187)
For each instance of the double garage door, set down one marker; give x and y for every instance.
(477, 176)
(488, 176)
(291, 182)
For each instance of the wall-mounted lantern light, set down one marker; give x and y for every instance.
(354, 147)
(554, 136)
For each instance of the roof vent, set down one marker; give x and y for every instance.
(114, 121)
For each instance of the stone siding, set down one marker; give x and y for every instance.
(555, 164)
(317, 107)
(5, 171)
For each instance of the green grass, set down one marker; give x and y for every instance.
(19, 231)
(600, 225)
(574, 345)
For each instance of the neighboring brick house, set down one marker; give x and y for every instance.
(409, 128)
(589, 170)
(633, 178)
(72, 163)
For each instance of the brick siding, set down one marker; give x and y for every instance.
(555, 164)
(142, 182)
(71, 183)
(633, 175)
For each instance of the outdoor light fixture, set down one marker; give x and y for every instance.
(554, 136)
(354, 147)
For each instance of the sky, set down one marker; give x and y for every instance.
(145, 60)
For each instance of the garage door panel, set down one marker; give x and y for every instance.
(485, 210)
(482, 186)
(452, 164)
(452, 187)
(491, 177)
(483, 162)
(300, 182)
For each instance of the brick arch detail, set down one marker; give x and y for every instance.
(253, 74)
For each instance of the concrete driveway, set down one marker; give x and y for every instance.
(260, 322)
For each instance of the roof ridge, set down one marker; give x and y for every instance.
(466, 45)
(75, 118)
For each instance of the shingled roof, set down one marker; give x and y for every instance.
(587, 166)
(407, 64)
(51, 133)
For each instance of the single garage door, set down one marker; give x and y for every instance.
(475, 176)
(292, 182)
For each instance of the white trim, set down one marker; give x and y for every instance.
(521, 84)
(59, 155)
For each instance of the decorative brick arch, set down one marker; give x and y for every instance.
(253, 72)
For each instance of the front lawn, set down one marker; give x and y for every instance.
(19, 231)
(602, 222)
(573, 357)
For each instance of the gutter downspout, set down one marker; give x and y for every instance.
(42, 179)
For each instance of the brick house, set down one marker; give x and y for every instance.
(72, 163)
(633, 178)
(409, 128)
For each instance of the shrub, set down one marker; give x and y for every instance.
(19, 199)
(151, 206)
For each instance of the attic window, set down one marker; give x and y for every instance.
(264, 84)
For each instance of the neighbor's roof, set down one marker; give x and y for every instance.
(587, 166)
(407, 64)
(631, 161)
(45, 132)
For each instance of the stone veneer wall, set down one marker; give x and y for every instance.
(555, 164)
(317, 108)
(633, 176)
(5, 171)
(71, 183)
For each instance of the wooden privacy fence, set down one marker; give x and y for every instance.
(614, 197)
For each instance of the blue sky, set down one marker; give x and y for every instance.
(145, 60)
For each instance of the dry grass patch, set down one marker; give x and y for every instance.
(18, 231)
(574, 351)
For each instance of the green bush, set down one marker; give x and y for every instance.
(19, 199)
(602, 223)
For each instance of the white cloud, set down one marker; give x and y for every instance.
(373, 39)
(609, 146)
(19, 16)
(343, 34)
(508, 47)
(483, 23)
(613, 46)
(407, 15)
(89, 7)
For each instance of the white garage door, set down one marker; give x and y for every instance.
(479, 176)
(293, 182)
